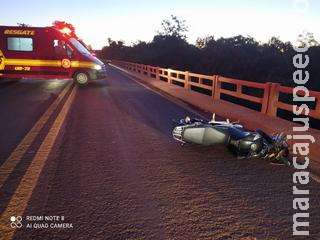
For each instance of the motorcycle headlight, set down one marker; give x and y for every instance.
(254, 147)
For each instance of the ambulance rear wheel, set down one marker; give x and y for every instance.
(81, 78)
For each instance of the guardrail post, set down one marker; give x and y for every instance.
(143, 68)
(186, 80)
(273, 99)
(148, 71)
(239, 89)
(318, 106)
(217, 87)
(213, 86)
(169, 76)
(158, 73)
(265, 98)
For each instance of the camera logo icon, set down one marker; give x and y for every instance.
(16, 221)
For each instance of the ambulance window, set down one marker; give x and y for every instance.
(59, 47)
(69, 51)
(20, 44)
(79, 46)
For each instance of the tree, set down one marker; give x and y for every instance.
(203, 42)
(23, 25)
(114, 50)
(277, 44)
(240, 57)
(307, 37)
(174, 27)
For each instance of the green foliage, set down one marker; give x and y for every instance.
(236, 57)
(174, 27)
(23, 25)
(307, 37)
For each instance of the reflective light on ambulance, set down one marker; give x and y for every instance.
(66, 30)
(97, 67)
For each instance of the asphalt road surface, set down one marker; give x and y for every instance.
(114, 172)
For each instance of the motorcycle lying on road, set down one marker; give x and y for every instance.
(244, 143)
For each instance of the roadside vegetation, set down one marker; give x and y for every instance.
(240, 57)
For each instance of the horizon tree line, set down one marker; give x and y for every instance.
(240, 57)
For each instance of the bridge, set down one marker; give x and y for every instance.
(102, 158)
(186, 86)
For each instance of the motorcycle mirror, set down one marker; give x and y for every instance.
(213, 119)
(187, 119)
(280, 135)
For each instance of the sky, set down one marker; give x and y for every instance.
(97, 20)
